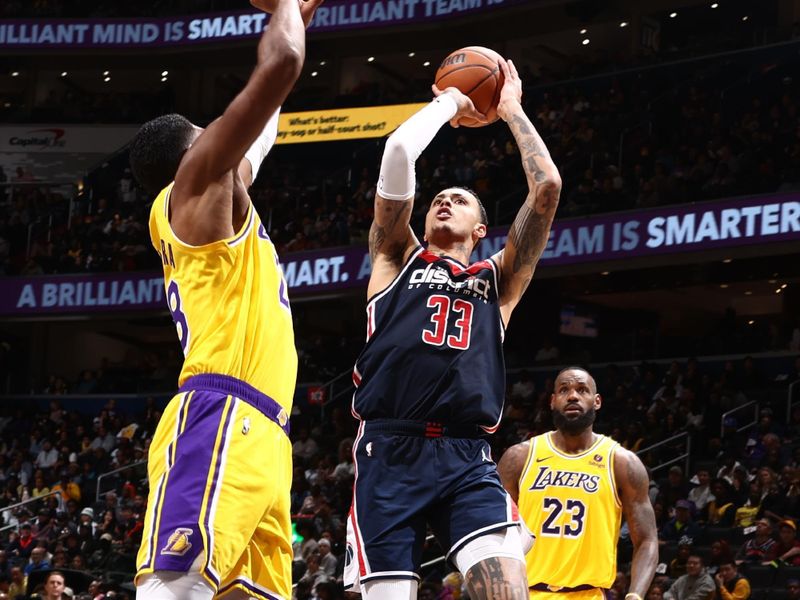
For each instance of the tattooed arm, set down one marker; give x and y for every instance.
(632, 483)
(528, 235)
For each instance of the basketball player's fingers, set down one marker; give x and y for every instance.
(436, 91)
(503, 64)
(308, 8)
(513, 69)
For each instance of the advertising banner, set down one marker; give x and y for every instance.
(609, 237)
(343, 123)
(69, 139)
(334, 15)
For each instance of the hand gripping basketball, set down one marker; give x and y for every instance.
(466, 109)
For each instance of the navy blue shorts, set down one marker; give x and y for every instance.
(407, 481)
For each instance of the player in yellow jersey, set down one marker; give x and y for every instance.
(219, 467)
(572, 487)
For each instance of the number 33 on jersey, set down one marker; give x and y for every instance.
(570, 503)
(434, 345)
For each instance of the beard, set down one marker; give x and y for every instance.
(573, 425)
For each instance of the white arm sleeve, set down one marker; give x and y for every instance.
(397, 177)
(263, 144)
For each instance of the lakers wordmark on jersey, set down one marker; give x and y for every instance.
(230, 305)
(570, 503)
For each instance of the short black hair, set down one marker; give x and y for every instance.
(157, 150)
(575, 368)
(697, 556)
(484, 216)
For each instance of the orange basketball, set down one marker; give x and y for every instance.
(474, 70)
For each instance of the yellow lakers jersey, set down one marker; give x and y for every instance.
(230, 305)
(570, 503)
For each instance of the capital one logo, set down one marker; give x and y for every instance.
(40, 138)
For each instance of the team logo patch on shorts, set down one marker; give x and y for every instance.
(178, 543)
(282, 418)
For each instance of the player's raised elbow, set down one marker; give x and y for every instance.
(396, 151)
(291, 58)
(285, 60)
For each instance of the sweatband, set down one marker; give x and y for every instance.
(263, 144)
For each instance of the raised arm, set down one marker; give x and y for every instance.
(510, 468)
(632, 484)
(221, 147)
(528, 235)
(391, 239)
(200, 201)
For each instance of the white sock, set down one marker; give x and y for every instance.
(173, 585)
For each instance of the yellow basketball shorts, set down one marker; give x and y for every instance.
(220, 472)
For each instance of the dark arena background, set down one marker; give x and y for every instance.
(672, 271)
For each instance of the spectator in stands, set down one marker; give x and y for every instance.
(314, 573)
(773, 500)
(621, 583)
(54, 586)
(47, 457)
(674, 488)
(696, 584)
(304, 446)
(701, 494)
(730, 584)
(524, 388)
(633, 437)
(720, 554)
(721, 511)
(793, 589)
(787, 549)
(345, 469)
(746, 515)
(678, 565)
(23, 545)
(656, 592)
(38, 561)
(327, 561)
(19, 581)
(730, 464)
(761, 547)
(5, 565)
(681, 524)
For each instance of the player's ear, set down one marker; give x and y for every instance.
(598, 402)
(552, 401)
(480, 230)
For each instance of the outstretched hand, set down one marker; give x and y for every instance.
(466, 109)
(307, 7)
(511, 92)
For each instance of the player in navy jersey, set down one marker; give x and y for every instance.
(431, 379)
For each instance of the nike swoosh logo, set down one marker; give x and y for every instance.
(543, 459)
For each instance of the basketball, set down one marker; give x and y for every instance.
(474, 70)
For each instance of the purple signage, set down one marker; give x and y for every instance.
(616, 236)
(81, 293)
(335, 15)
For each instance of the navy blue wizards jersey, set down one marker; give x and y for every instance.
(434, 346)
